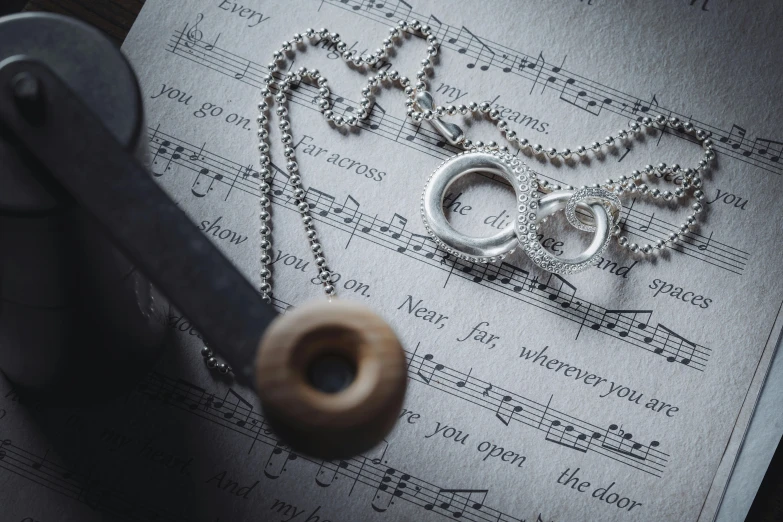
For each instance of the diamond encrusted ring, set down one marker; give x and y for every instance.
(527, 233)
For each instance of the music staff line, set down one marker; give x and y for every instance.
(694, 245)
(555, 295)
(560, 428)
(77, 486)
(228, 64)
(236, 414)
(576, 90)
(697, 246)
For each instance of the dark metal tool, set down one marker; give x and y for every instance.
(77, 202)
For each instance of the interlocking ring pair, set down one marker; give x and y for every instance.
(602, 208)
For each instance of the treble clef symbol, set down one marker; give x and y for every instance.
(194, 35)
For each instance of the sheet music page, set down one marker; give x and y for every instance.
(620, 393)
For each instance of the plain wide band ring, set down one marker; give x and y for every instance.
(547, 206)
(479, 249)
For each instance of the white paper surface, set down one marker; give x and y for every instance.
(487, 432)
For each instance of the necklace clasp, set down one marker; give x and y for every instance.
(452, 133)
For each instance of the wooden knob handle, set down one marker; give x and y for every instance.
(348, 343)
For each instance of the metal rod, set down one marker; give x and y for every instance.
(136, 214)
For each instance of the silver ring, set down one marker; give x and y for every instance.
(587, 195)
(527, 233)
(479, 249)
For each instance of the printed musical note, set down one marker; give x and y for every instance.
(504, 278)
(391, 484)
(513, 276)
(322, 203)
(198, 155)
(197, 188)
(373, 471)
(619, 441)
(462, 382)
(584, 312)
(348, 209)
(511, 411)
(417, 239)
(768, 147)
(485, 54)
(584, 95)
(490, 273)
(411, 131)
(476, 392)
(566, 435)
(417, 242)
(644, 107)
(210, 47)
(705, 245)
(509, 63)
(622, 321)
(559, 289)
(367, 228)
(247, 171)
(402, 10)
(437, 26)
(284, 189)
(177, 154)
(427, 373)
(376, 118)
(457, 501)
(242, 74)
(581, 98)
(346, 108)
(396, 226)
(482, 272)
(231, 404)
(455, 39)
(577, 99)
(326, 474)
(679, 342)
(161, 150)
(736, 139)
(556, 69)
(646, 227)
(539, 64)
(276, 463)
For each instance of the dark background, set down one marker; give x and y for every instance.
(115, 18)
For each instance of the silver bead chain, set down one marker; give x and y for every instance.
(276, 91)
(211, 361)
(278, 84)
(633, 184)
